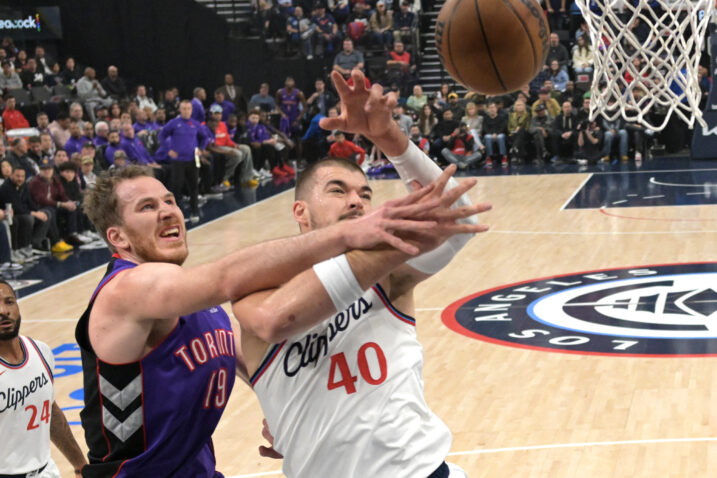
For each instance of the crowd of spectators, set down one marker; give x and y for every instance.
(203, 146)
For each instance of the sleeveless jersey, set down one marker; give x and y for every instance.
(155, 417)
(290, 103)
(346, 398)
(26, 398)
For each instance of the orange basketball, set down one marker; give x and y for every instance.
(492, 46)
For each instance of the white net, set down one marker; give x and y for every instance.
(646, 57)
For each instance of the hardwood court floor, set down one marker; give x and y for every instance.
(507, 407)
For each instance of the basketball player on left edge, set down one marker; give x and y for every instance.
(29, 415)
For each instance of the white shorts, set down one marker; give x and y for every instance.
(50, 471)
(456, 471)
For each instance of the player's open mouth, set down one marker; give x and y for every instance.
(170, 233)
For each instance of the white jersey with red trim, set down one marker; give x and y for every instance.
(346, 398)
(26, 398)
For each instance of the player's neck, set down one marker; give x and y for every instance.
(11, 351)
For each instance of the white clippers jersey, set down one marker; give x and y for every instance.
(26, 398)
(346, 398)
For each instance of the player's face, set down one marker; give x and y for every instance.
(153, 225)
(338, 194)
(9, 314)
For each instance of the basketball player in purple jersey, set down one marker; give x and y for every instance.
(348, 393)
(288, 99)
(158, 353)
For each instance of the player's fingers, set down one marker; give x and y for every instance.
(459, 212)
(391, 99)
(342, 88)
(452, 228)
(407, 225)
(442, 180)
(331, 124)
(359, 80)
(398, 244)
(451, 196)
(416, 210)
(411, 197)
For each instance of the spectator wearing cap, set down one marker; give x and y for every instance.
(404, 23)
(327, 31)
(381, 24)
(462, 149)
(227, 107)
(119, 160)
(113, 84)
(11, 117)
(348, 59)
(345, 149)
(541, 127)
(551, 104)
(32, 224)
(47, 192)
(454, 105)
(76, 140)
(9, 80)
(88, 172)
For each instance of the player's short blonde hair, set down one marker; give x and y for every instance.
(101, 203)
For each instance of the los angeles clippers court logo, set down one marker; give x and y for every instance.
(666, 310)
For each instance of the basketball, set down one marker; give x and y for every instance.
(492, 46)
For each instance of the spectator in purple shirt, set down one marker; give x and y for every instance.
(181, 136)
(136, 152)
(263, 146)
(74, 144)
(102, 130)
(113, 145)
(143, 125)
(198, 114)
(227, 106)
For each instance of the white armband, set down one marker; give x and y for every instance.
(339, 281)
(414, 165)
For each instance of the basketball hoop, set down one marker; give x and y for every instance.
(647, 72)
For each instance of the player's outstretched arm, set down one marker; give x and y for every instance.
(63, 439)
(168, 290)
(368, 112)
(314, 294)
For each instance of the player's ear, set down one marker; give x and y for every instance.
(301, 214)
(117, 238)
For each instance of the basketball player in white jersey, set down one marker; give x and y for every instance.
(29, 416)
(346, 398)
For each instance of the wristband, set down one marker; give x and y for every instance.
(339, 281)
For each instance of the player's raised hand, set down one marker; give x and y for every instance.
(363, 111)
(407, 214)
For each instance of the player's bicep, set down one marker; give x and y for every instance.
(250, 313)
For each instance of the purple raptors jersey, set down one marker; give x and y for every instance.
(290, 103)
(155, 417)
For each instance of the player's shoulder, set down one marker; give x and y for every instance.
(44, 349)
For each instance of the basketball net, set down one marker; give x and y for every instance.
(646, 81)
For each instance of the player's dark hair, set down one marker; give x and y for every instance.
(4, 282)
(305, 179)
